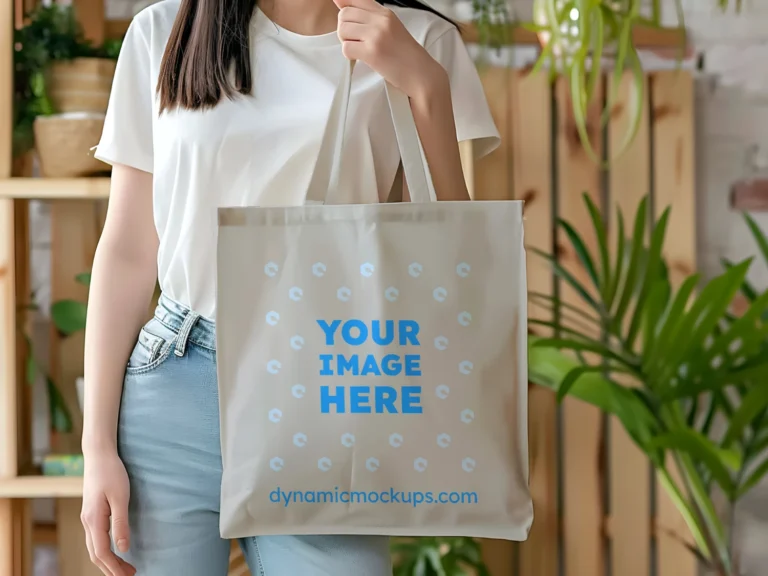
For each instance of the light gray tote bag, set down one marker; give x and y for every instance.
(372, 359)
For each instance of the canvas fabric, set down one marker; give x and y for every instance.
(372, 359)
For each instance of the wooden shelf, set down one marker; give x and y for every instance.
(41, 487)
(643, 37)
(55, 188)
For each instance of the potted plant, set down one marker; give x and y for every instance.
(684, 375)
(61, 90)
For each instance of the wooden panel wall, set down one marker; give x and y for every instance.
(533, 182)
(595, 513)
(673, 183)
(629, 473)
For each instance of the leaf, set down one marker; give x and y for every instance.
(553, 302)
(749, 291)
(624, 45)
(745, 330)
(717, 460)
(757, 371)
(655, 306)
(636, 103)
(602, 244)
(532, 27)
(656, 12)
(757, 234)
(548, 367)
(628, 289)
(651, 276)
(420, 569)
(618, 268)
(434, 558)
(581, 251)
(597, 52)
(670, 323)
(568, 326)
(84, 278)
(697, 324)
(569, 278)
(546, 54)
(61, 421)
(31, 372)
(686, 511)
(68, 316)
(757, 448)
(753, 480)
(575, 374)
(751, 405)
(579, 102)
(584, 345)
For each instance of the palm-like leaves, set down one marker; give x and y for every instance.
(431, 556)
(666, 360)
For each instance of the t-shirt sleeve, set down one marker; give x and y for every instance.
(127, 134)
(470, 107)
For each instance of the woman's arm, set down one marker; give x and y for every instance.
(433, 113)
(373, 34)
(122, 283)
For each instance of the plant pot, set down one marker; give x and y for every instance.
(64, 141)
(81, 85)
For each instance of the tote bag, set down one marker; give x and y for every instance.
(372, 359)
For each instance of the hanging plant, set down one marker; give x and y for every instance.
(578, 36)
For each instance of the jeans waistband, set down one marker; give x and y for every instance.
(188, 325)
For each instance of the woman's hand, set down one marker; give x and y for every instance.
(105, 503)
(373, 34)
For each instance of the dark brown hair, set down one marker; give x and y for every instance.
(208, 53)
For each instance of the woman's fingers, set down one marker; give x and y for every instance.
(354, 50)
(352, 32)
(353, 14)
(121, 534)
(101, 546)
(129, 570)
(92, 554)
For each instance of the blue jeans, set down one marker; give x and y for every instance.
(168, 438)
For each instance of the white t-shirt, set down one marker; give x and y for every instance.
(260, 150)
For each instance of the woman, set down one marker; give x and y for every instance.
(223, 102)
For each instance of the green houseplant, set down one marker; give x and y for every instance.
(684, 376)
(50, 34)
(576, 33)
(435, 556)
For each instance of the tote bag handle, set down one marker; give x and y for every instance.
(327, 173)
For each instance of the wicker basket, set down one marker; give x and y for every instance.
(64, 143)
(81, 85)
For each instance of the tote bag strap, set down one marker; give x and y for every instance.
(327, 173)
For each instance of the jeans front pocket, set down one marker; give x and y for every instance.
(153, 347)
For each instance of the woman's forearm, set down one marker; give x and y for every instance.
(122, 282)
(433, 113)
(118, 303)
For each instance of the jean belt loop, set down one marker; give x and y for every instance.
(184, 332)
